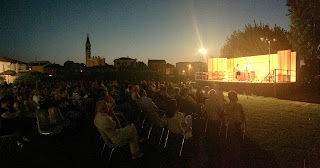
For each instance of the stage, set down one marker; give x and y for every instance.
(258, 88)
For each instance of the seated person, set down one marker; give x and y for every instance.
(106, 122)
(149, 109)
(30, 104)
(213, 107)
(56, 118)
(177, 122)
(234, 112)
(12, 122)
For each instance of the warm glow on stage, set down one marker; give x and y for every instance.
(282, 68)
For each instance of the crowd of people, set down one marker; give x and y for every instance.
(115, 108)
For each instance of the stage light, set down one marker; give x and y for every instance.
(202, 51)
(269, 43)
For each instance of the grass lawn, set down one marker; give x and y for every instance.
(289, 130)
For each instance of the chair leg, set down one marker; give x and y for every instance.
(2, 140)
(144, 120)
(110, 157)
(150, 129)
(205, 130)
(161, 135)
(227, 125)
(220, 128)
(104, 145)
(244, 130)
(181, 146)
(165, 144)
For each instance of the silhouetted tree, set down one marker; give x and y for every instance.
(248, 42)
(305, 35)
(141, 65)
(69, 66)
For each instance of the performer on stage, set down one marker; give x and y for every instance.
(247, 69)
(237, 71)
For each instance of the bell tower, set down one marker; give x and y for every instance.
(88, 50)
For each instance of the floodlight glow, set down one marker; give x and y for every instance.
(202, 51)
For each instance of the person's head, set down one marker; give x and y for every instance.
(108, 101)
(232, 95)
(36, 91)
(135, 88)
(177, 90)
(63, 103)
(5, 102)
(199, 89)
(19, 98)
(212, 94)
(206, 88)
(172, 108)
(163, 88)
(184, 92)
(142, 93)
(103, 94)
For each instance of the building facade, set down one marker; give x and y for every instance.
(92, 61)
(10, 67)
(157, 65)
(124, 62)
(38, 66)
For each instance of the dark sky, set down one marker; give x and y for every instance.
(173, 30)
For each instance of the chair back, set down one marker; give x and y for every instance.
(174, 126)
(107, 141)
(45, 125)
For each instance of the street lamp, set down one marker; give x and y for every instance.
(189, 67)
(269, 47)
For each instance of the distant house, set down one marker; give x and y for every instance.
(124, 62)
(10, 67)
(170, 69)
(157, 65)
(38, 66)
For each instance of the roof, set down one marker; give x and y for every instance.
(39, 63)
(156, 61)
(6, 59)
(169, 65)
(124, 58)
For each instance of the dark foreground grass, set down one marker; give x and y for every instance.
(290, 130)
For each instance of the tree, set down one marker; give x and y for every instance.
(141, 65)
(305, 35)
(69, 66)
(248, 42)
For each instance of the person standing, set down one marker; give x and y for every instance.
(234, 113)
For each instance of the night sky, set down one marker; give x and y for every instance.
(173, 30)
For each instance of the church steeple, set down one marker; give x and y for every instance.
(88, 41)
(88, 49)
